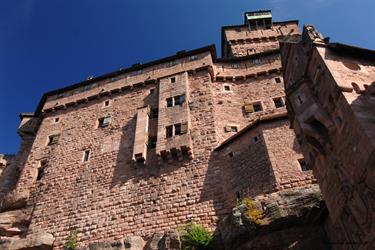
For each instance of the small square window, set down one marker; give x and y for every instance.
(303, 165)
(169, 131)
(177, 129)
(169, 102)
(86, 155)
(233, 129)
(226, 87)
(106, 103)
(231, 154)
(277, 80)
(255, 138)
(104, 121)
(57, 119)
(152, 91)
(152, 142)
(257, 107)
(53, 139)
(278, 102)
(173, 79)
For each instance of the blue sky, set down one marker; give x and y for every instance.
(46, 45)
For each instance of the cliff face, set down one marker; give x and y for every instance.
(291, 219)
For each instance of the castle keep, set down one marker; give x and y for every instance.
(146, 149)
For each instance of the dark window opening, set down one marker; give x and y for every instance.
(233, 129)
(41, 170)
(173, 79)
(179, 100)
(300, 99)
(238, 195)
(303, 165)
(104, 122)
(152, 91)
(256, 138)
(86, 155)
(169, 131)
(169, 102)
(106, 103)
(231, 154)
(152, 142)
(320, 129)
(53, 139)
(227, 88)
(278, 102)
(257, 107)
(177, 129)
(277, 80)
(57, 119)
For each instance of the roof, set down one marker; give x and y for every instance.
(260, 120)
(180, 54)
(352, 51)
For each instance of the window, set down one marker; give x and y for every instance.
(193, 58)
(173, 79)
(152, 142)
(104, 121)
(250, 51)
(303, 165)
(277, 80)
(57, 119)
(231, 154)
(278, 102)
(230, 128)
(179, 100)
(53, 139)
(169, 131)
(177, 129)
(169, 102)
(152, 91)
(86, 155)
(226, 87)
(257, 107)
(106, 103)
(41, 170)
(255, 138)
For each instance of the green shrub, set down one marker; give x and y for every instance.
(72, 242)
(196, 237)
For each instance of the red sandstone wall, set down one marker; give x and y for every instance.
(239, 41)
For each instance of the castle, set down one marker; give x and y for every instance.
(146, 149)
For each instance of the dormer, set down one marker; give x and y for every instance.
(261, 19)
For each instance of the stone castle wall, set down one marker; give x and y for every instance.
(90, 163)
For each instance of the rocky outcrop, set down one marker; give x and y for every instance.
(159, 241)
(292, 220)
(13, 200)
(39, 241)
(14, 222)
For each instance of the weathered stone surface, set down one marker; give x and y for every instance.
(155, 243)
(14, 200)
(134, 243)
(289, 222)
(38, 241)
(14, 222)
